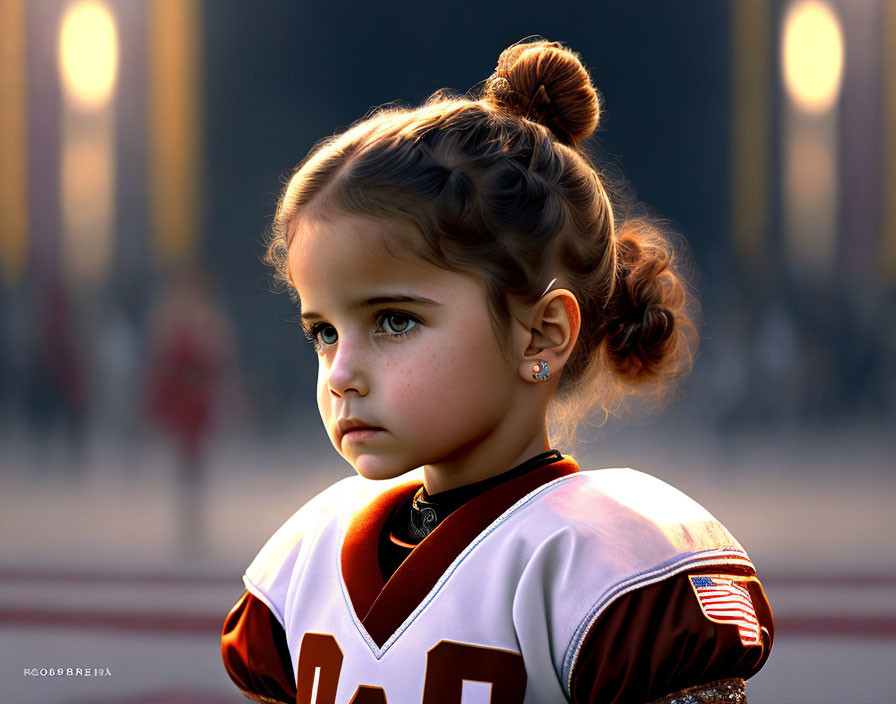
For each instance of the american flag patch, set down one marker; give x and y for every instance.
(725, 599)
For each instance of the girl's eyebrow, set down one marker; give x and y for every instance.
(376, 301)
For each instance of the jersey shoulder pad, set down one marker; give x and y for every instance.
(615, 531)
(630, 498)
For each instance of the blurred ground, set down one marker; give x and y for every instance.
(96, 572)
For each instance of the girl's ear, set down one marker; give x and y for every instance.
(552, 327)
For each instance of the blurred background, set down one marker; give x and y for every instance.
(157, 412)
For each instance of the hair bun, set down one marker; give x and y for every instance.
(648, 335)
(545, 82)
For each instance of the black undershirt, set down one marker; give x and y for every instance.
(413, 519)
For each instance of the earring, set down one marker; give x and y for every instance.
(540, 370)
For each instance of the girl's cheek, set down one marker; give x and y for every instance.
(432, 387)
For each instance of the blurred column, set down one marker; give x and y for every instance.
(13, 142)
(88, 66)
(750, 129)
(132, 263)
(812, 57)
(175, 177)
(860, 132)
(41, 49)
(887, 256)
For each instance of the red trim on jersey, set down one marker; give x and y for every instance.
(382, 608)
(360, 548)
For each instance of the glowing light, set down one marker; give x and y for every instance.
(87, 207)
(812, 55)
(88, 53)
(810, 171)
(811, 203)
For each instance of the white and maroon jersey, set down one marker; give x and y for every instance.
(495, 604)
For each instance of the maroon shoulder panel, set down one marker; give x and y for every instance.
(657, 640)
(255, 653)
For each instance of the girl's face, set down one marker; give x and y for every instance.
(405, 349)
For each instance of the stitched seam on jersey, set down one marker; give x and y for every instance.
(343, 587)
(711, 558)
(255, 590)
(437, 587)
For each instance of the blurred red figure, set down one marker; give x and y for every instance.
(191, 348)
(183, 386)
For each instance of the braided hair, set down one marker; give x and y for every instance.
(499, 184)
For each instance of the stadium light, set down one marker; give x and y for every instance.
(812, 55)
(88, 66)
(88, 53)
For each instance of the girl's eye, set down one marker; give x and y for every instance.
(327, 334)
(397, 324)
(392, 324)
(321, 334)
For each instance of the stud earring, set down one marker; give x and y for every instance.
(540, 370)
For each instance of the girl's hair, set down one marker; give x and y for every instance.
(497, 184)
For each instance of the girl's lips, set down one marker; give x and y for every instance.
(360, 434)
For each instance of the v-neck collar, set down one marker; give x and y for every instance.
(383, 607)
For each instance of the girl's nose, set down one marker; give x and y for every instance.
(347, 373)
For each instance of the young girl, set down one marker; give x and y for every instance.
(460, 270)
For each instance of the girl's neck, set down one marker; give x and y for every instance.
(482, 461)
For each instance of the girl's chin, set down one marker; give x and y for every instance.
(372, 467)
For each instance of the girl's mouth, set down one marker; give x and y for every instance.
(360, 434)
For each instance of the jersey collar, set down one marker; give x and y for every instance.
(383, 607)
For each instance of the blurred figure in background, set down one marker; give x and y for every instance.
(56, 389)
(191, 353)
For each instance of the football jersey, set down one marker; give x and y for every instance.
(496, 604)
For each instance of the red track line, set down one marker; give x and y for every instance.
(183, 579)
(209, 625)
(836, 626)
(844, 579)
(134, 622)
(124, 578)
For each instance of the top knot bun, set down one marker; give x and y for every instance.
(545, 82)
